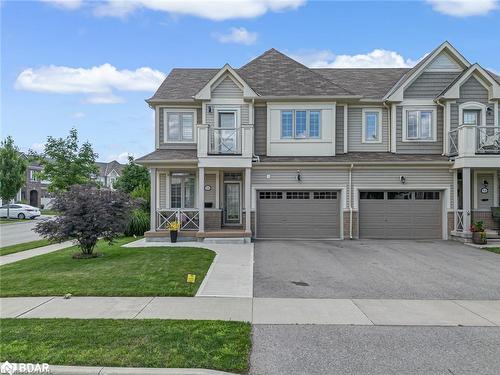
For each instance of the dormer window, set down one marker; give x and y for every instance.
(179, 126)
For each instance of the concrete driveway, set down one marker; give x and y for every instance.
(375, 269)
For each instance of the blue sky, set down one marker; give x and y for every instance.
(90, 65)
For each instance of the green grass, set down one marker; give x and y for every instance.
(49, 212)
(216, 345)
(495, 250)
(120, 271)
(23, 246)
(4, 220)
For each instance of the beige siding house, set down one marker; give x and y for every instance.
(275, 149)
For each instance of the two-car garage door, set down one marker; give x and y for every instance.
(400, 214)
(298, 214)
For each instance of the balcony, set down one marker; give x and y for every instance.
(472, 140)
(233, 145)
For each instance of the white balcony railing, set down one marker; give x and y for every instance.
(470, 140)
(236, 142)
(459, 220)
(187, 217)
(224, 141)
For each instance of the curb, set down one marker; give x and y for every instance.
(89, 370)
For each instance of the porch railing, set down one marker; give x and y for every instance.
(453, 142)
(459, 220)
(224, 141)
(488, 139)
(188, 218)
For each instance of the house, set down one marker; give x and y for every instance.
(275, 149)
(109, 173)
(35, 191)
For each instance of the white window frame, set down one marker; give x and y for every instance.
(166, 112)
(235, 110)
(308, 123)
(379, 125)
(433, 111)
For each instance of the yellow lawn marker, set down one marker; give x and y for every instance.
(191, 278)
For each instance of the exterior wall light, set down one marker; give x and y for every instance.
(402, 179)
(489, 111)
(299, 176)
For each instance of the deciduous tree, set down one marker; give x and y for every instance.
(12, 171)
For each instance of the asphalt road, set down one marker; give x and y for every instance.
(308, 349)
(375, 269)
(19, 232)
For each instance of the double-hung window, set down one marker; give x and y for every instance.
(420, 125)
(300, 124)
(179, 126)
(372, 131)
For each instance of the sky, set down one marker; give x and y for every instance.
(91, 64)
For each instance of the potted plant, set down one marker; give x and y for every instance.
(173, 227)
(478, 233)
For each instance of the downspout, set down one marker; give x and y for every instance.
(389, 118)
(444, 123)
(255, 158)
(350, 201)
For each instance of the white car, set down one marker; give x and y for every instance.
(20, 211)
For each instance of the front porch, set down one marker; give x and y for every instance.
(477, 194)
(210, 204)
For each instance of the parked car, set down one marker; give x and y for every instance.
(20, 211)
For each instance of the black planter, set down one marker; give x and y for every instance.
(173, 236)
(476, 238)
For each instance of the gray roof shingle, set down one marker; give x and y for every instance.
(168, 154)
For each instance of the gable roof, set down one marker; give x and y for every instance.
(107, 168)
(275, 74)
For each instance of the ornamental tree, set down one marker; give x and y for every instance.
(133, 176)
(87, 214)
(12, 171)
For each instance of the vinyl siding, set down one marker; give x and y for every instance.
(473, 91)
(419, 147)
(260, 130)
(355, 124)
(339, 130)
(210, 117)
(429, 84)
(210, 179)
(227, 89)
(161, 125)
(415, 178)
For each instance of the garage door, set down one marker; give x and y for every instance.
(400, 214)
(298, 214)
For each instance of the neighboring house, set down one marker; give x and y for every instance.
(326, 153)
(109, 173)
(35, 191)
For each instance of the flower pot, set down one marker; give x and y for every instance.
(479, 238)
(173, 236)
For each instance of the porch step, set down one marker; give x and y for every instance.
(492, 235)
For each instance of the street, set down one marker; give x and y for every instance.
(19, 232)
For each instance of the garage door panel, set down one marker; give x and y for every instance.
(401, 218)
(297, 218)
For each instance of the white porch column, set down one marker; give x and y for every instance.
(248, 197)
(152, 172)
(201, 199)
(466, 196)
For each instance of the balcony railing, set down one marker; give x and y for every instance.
(224, 141)
(187, 217)
(469, 140)
(459, 220)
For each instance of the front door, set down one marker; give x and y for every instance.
(232, 212)
(484, 186)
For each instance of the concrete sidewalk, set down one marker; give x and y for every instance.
(21, 255)
(261, 310)
(231, 272)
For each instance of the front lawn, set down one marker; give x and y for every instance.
(50, 212)
(495, 250)
(4, 220)
(216, 345)
(120, 271)
(23, 246)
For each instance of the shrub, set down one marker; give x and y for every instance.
(138, 223)
(142, 194)
(87, 213)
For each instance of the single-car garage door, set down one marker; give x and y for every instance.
(298, 214)
(400, 214)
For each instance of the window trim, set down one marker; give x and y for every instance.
(419, 109)
(166, 112)
(365, 111)
(308, 124)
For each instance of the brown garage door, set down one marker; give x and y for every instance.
(298, 214)
(400, 214)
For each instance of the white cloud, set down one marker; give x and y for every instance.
(238, 35)
(464, 8)
(216, 10)
(66, 4)
(38, 147)
(378, 58)
(120, 158)
(98, 81)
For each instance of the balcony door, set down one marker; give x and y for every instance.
(472, 117)
(226, 140)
